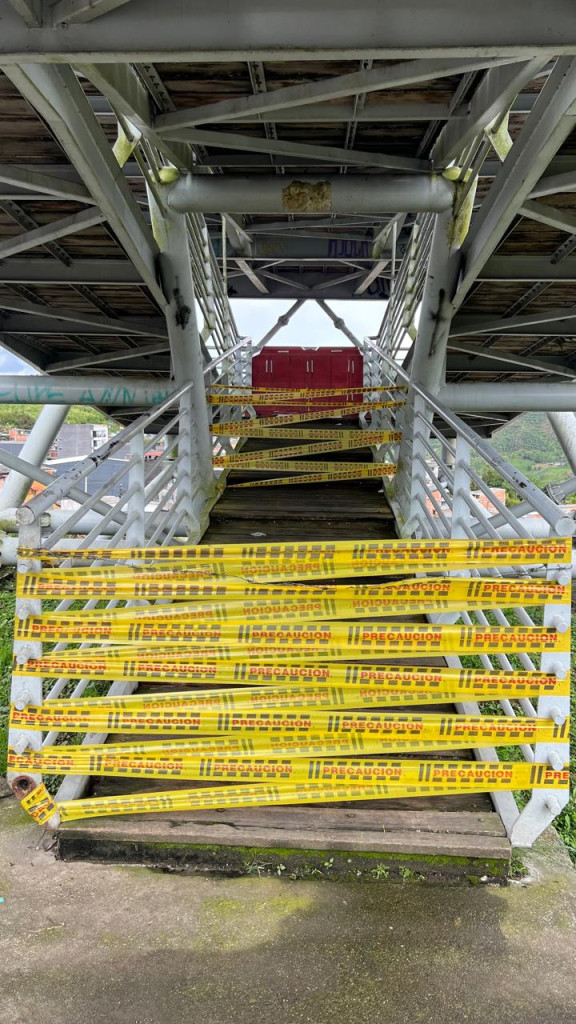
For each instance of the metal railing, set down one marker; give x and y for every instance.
(163, 498)
(439, 491)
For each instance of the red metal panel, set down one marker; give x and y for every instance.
(307, 368)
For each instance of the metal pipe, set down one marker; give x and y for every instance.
(141, 392)
(34, 451)
(36, 473)
(352, 193)
(514, 397)
(564, 426)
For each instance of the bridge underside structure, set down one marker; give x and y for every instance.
(158, 161)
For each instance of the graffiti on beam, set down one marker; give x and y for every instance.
(42, 394)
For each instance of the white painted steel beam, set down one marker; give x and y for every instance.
(49, 232)
(153, 326)
(562, 220)
(58, 97)
(370, 194)
(74, 12)
(110, 272)
(494, 95)
(128, 96)
(546, 127)
(466, 325)
(354, 84)
(48, 184)
(140, 392)
(526, 268)
(34, 451)
(513, 397)
(287, 147)
(490, 358)
(564, 426)
(283, 30)
(106, 358)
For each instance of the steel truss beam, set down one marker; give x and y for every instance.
(545, 128)
(147, 31)
(75, 12)
(58, 97)
(151, 326)
(43, 271)
(527, 268)
(494, 96)
(491, 360)
(49, 232)
(106, 358)
(48, 184)
(466, 325)
(562, 220)
(279, 147)
(308, 284)
(355, 84)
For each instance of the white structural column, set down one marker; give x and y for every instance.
(564, 426)
(428, 360)
(185, 347)
(34, 451)
(429, 355)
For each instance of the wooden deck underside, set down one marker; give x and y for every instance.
(464, 826)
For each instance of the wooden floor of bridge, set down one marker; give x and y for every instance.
(415, 831)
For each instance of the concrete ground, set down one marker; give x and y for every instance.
(100, 944)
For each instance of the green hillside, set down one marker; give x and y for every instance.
(24, 416)
(530, 444)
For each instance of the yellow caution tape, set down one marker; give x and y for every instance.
(349, 603)
(251, 428)
(314, 392)
(329, 413)
(40, 805)
(288, 398)
(280, 465)
(251, 796)
(394, 555)
(239, 599)
(316, 640)
(302, 722)
(359, 771)
(251, 459)
(399, 680)
(362, 473)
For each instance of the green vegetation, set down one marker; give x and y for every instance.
(24, 416)
(530, 444)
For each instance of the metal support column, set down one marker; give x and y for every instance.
(185, 343)
(429, 355)
(564, 426)
(34, 451)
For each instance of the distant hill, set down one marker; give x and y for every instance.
(530, 444)
(24, 416)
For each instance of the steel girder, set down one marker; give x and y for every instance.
(229, 30)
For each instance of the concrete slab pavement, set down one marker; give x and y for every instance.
(109, 944)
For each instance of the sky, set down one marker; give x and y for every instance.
(309, 327)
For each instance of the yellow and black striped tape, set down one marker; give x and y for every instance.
(381, 555)
(40, 803)
(330, 641)
(300, 722)
(282, 771)
(399, 680)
